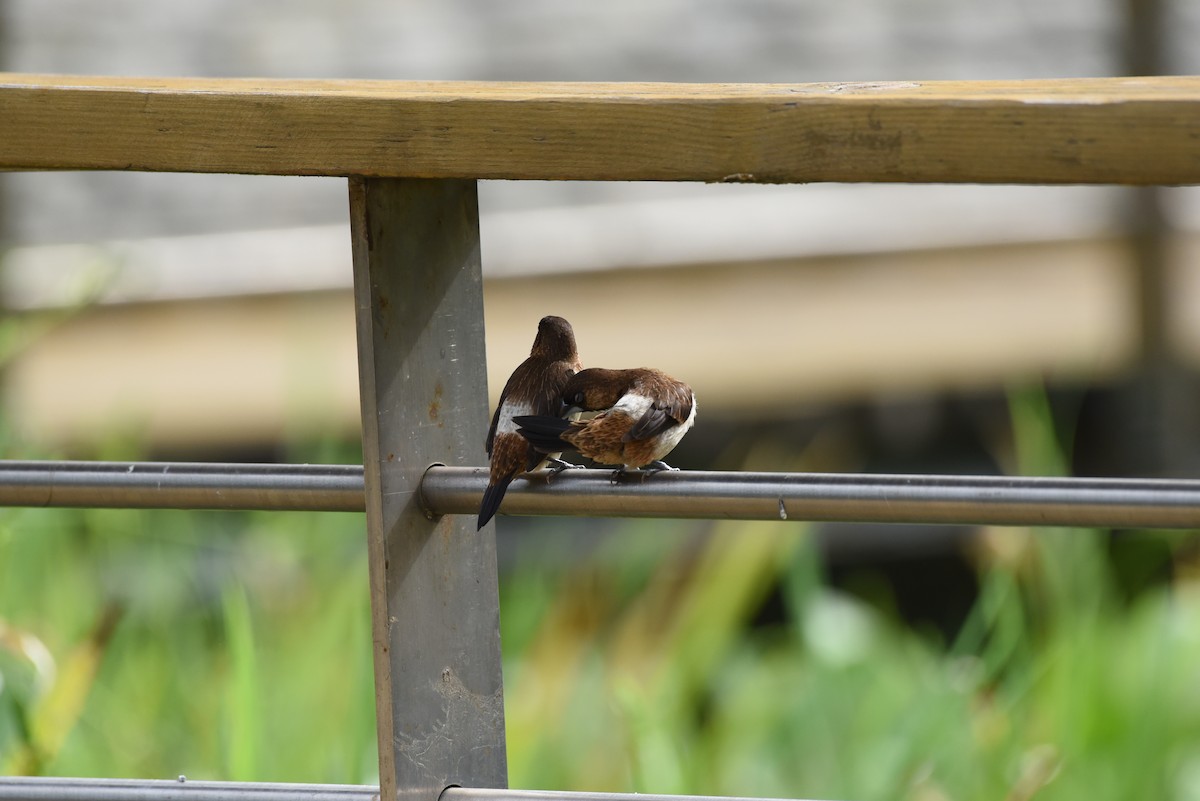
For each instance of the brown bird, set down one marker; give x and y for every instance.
(643, 414)
(534, 388)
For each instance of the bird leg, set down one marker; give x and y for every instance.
(648, 469)
(619, 474)
(555, 466)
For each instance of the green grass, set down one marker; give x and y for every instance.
(241, 650)
(237, 646)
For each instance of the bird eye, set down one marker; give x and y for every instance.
(577, 399)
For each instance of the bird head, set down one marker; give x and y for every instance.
(555, 340)
(593, 389)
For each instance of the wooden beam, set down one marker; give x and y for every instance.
(1112, 130)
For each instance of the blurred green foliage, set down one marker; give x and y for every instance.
(237, 646)
(240, 650)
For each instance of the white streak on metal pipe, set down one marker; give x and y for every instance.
(988, 500)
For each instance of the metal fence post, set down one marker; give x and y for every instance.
(435, 607)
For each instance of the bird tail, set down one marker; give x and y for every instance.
(492, 496)
(544, 433)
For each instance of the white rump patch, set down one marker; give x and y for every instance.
(509, 410)
(633, 404)
(670, 438)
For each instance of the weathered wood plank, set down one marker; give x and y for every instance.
(1115, 130)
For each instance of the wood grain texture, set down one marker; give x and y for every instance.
(1113, 130)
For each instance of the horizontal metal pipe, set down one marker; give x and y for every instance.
(481, 794)
(994, 500)
(53, 789)
(171, 485)
(21, 788)
(986, 500)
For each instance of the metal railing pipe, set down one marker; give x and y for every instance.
(993, 500)
(988, 500)
(176, 485)
(483, 794)
(20, 788)
(23, 788)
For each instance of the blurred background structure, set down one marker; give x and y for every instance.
(866, 328)
(860, 295)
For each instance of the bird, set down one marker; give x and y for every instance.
(643, 414)
(534, 388)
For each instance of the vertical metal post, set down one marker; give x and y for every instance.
(5, 230)
(435, 605)
(1161, 423)
(1143, 55)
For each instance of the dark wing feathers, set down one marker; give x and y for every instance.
(543, 432)
(673, 407)
(491, 437)
(549, 399)
(655, 421)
